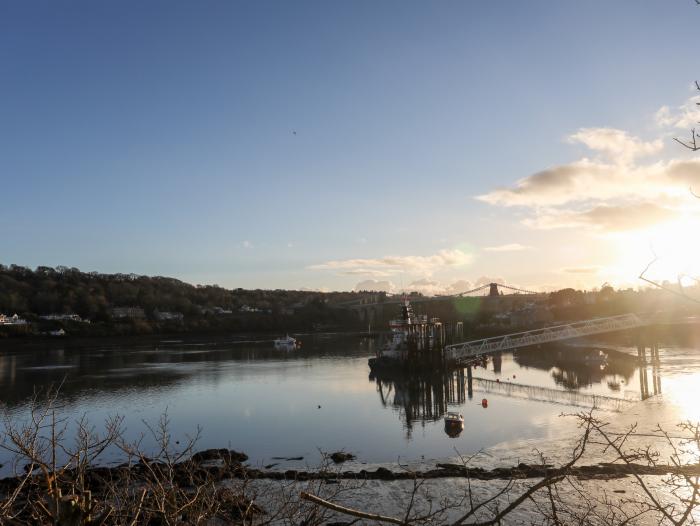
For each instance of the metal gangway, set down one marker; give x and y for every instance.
(475, 348)
(555, 396)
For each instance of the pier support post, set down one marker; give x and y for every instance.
(657, 379)
(642, 354)
(470, 391)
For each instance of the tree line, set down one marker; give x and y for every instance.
(93, 296)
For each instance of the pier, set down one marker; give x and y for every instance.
(466, 351)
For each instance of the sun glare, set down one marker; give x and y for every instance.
(684, 392)
(670, 249)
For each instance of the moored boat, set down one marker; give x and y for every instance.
(409, 332)
(454, 424)
(287, 343)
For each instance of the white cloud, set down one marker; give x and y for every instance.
(685, 116)
(607, 217)
(374, 285)
(366, 272)
(309, 289)
(617, 145)
(580, 180)
(588, 181)
(581, 270)
(247, 244)
(615, 192)
(510, 247)
(426, 287)
(459, 286)
(388, 265)
(485, 280)
(431, 287)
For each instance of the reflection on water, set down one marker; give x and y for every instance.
(426, 397)
(268, 403)
(422, 397)
(579, 367)
(655, 388)
(155, 364)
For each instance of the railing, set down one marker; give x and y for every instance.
(556, 396)
(475, 348)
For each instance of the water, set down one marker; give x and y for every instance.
(269, 403)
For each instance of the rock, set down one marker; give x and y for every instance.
(219, 454)
(383, 474)
(340, 456)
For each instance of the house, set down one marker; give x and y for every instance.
(12, 320)
(64, 317)
(169, 316)
(135, 313)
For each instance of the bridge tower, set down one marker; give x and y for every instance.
(493, 289)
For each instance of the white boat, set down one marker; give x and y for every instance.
(454, 424)
(286, 343)
(453, 417)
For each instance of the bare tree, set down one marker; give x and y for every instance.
(692, 142)
(662, 493)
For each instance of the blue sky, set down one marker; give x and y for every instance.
(325, 144)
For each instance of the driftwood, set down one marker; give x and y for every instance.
(350, 511)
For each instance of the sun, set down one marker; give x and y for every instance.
(671, 250)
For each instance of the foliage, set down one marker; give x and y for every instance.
(91, 295)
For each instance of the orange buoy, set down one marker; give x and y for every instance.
(484, 403)
(513, 376)
(498, 380)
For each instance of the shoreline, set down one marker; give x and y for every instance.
(223, 465)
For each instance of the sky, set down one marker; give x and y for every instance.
(391, 145)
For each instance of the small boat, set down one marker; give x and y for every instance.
(454, 424)
(614, 385)
(286, 343)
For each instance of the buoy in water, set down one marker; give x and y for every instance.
(484, 403)
(513, 376)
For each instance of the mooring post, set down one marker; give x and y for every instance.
(470, 392)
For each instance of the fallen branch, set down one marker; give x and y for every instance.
(350, 511)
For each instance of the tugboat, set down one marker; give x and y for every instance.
(395, 352)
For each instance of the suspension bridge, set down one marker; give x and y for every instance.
(493, 290)
(487, 290)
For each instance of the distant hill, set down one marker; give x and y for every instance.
(130, 303)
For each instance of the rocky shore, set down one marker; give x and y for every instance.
(223, 464)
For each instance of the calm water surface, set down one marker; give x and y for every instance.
(268, 403)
